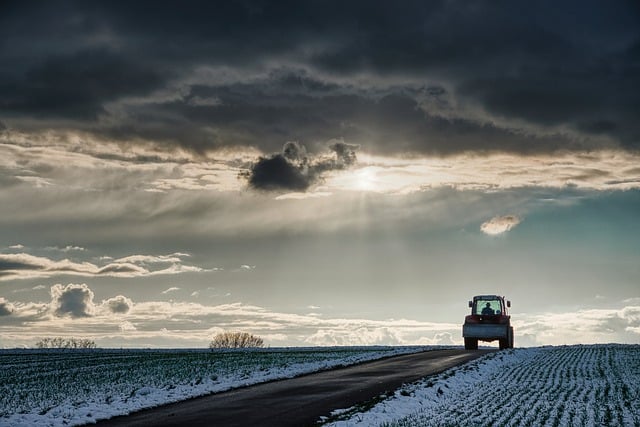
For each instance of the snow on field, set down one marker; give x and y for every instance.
(56, 388)
(548, 386)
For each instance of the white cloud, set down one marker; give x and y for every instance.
(189, 324)
(363, 335)
(68, 248)
(26, 266)
(127, 327)
(500, 224)
(16, 247)
(36, 181)
(300, 196)
(440, 338)
(58, 158)
(587, 326)
(182, 322)
(274, 338)
(172, 289)
(598, 170)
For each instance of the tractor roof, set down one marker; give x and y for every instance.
(487, 297)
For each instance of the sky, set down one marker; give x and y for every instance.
(318, 173)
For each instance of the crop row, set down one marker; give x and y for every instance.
(574, 386)
(554, 386)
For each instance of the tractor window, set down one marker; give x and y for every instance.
(488, 307)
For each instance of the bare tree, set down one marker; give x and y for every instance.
(67, 343)
(236, 340)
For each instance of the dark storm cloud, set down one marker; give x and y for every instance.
(405, 76)
(291, 103)
(294, 170)
(76, 86)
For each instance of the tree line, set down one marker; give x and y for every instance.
(67, 343)
(219, 341)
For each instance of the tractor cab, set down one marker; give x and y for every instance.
(489, 305)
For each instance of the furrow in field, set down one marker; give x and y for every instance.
(552, 386)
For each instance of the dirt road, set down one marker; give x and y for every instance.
(298, 401)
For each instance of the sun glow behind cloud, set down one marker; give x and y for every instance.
(603, 170)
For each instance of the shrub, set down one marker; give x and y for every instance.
(236, 340)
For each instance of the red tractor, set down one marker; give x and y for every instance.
(488, 321)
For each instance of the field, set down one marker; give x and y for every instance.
(548, 386)
(62, 387)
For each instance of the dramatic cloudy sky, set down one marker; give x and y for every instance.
(318, 173)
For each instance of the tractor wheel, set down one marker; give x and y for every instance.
(504, 343)
(511, 337)
(470, 343)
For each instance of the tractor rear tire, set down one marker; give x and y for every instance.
(471, 343)
(508, 341)
(504, 343)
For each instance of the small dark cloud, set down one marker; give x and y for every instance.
(74, 300)
(6, 308)
(293, 169)
(276, 172)
(345, 154)
(119, 304)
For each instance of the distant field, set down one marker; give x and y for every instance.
(578, 386)
(62, 387)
